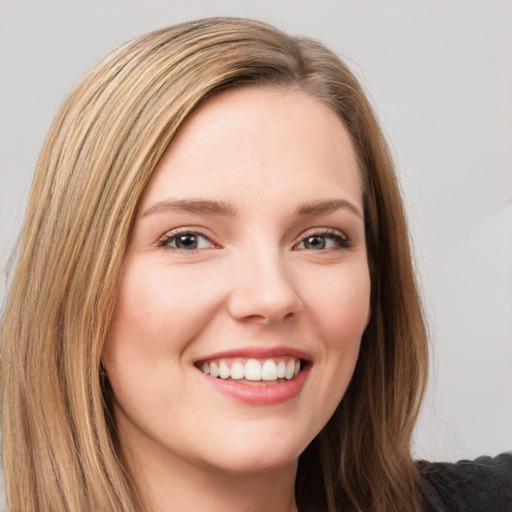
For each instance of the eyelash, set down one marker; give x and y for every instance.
(329, 234)
(174, 235)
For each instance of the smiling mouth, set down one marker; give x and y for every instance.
(269, 371)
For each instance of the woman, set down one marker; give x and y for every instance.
(214, 304)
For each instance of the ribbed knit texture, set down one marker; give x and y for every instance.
(482, 485)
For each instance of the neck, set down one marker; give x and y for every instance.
(177, 485)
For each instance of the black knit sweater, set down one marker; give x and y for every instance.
(482, 485)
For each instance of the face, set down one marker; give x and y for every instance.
(245, 289)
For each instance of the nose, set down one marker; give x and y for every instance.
(264, 290)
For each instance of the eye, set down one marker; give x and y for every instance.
(324, 240)
(185, 241)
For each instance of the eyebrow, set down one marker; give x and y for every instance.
(197, 206)
(209, 207)
(322, 207)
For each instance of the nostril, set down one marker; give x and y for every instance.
(267, 319)
(263, 306)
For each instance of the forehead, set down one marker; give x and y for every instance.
(262, 139)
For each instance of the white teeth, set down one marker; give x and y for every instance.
(237, 371)
(290, 370)
(253, 370)
(214, 370)
(224, 370)
(297, 368)
(281, 370)
(269, 370)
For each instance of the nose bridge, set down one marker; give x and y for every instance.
(264, 286)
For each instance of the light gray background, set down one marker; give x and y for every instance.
(440, 74)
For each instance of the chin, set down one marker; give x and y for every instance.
(266, 454)
(256, 464)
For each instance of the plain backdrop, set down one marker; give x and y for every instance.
(440, 75)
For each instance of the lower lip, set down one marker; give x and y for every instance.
(261, 394)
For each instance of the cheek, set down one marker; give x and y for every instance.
(340, 302)
(158, 311)
(157, 316)
(339, 312)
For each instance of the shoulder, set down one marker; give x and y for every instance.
(484, 484)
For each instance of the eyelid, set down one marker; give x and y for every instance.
(332, 233)
(173, 233)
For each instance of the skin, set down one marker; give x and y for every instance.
(255, 279)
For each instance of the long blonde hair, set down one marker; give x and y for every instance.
(59, 440)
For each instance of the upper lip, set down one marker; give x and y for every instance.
(258, 352)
